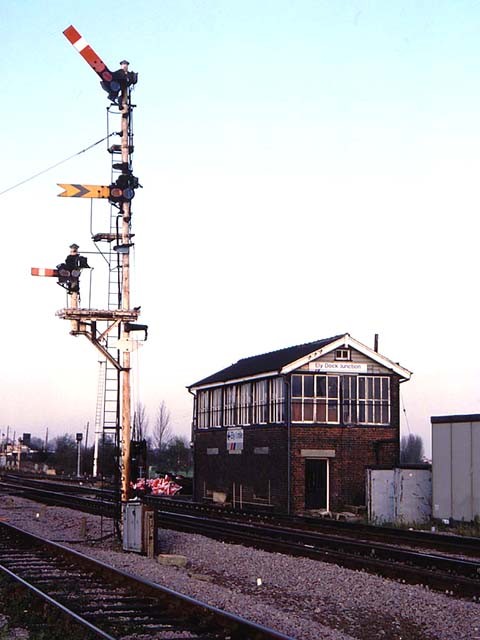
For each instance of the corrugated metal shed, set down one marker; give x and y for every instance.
(456, 466)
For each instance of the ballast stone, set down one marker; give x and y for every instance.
(172, 560)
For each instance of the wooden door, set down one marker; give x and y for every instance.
(316, 484)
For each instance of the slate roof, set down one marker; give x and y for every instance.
(264, 363)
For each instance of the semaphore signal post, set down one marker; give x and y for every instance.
(110, 329)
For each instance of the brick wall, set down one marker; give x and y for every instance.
(355, 448)
(260, 470)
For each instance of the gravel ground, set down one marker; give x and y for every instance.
(302, 598)
(9, 633)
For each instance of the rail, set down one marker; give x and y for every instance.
(111, 603)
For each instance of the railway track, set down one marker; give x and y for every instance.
(443, 543)
(416, 539)
(95, 501)
(391, 556)
(109, 603)
(455, 576)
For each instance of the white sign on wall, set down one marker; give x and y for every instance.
(235, 440)
(339, 367)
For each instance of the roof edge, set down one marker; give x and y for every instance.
(469, 417)
(347, 340)
(223, 383)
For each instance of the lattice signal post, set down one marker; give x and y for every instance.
(99, 326)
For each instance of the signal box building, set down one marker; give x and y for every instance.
(295, 429)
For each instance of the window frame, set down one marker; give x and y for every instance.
(276, 400)
(374, 406)
(360, 400)
(203, 404)
(230, 406)
(316, 400)
(216, 407)
(244, 396)
(260, 402)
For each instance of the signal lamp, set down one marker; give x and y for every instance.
(121, 195)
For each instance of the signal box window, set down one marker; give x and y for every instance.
(315, 398)
(362, 400)
(342, 354)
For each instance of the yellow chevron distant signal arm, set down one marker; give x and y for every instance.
(84, 191)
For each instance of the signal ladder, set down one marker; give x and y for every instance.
(111, 382)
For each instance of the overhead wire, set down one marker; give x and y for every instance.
(405, 412)
(56, 164)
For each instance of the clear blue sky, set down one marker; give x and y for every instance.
(309, 168)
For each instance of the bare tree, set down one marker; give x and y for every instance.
(411, 449)
(65, 457)
(178, 455)
(140, 422)
(162, 431)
